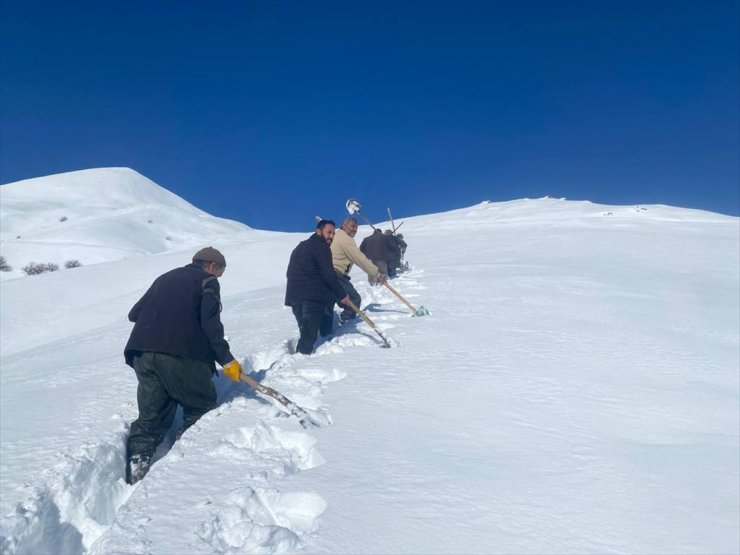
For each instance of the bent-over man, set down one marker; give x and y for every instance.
(345, 253)
(176, 340)
(375, 247)
(393, 247)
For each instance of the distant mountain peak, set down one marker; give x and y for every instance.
(98, 215)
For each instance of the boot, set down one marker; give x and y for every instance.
(137, 468)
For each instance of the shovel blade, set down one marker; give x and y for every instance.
(315, 418)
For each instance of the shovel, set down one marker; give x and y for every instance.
(304, 418)
(353, 207)
(393, 225)
(362, 315)
(421, 311)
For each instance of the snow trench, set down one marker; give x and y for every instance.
(83, 504)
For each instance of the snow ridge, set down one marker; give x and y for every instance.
(100, 215)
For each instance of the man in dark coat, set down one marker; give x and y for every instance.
(403, 245)
(375, 247)
(394, 253)
(313, 286)
(176, 340)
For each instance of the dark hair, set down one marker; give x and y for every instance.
(323, 223)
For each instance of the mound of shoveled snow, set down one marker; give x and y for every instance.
(100, 215)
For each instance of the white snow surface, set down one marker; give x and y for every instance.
(575, 389)
(99, 215)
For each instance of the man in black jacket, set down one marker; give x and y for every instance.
(176, 340)
(313, 286)
(375, 247)
(394, 253)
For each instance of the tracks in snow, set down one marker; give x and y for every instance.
(84, 505)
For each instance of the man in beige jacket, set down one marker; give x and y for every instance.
(345, 253)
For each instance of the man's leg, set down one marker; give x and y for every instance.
(156, 412)
(327, 321)
(309, 315)
(347, 313)
(190, 383)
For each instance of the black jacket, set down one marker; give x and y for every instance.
(375, 246)
(180, 315)
(393, 246)
(311, 275)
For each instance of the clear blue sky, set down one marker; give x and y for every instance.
(271, 112)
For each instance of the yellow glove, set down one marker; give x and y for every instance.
(233, 370)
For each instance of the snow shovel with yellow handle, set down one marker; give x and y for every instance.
(370, 323)
(421, 311)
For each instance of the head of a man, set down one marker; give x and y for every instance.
(211, 260)
(326, 229)
(349, 226)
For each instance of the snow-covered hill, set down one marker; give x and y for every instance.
(99, 215)
(576, 389)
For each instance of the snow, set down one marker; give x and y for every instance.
(99, 215)
(575, 389)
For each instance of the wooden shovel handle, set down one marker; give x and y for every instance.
(397, 294)
(362, 315)
(370, 323)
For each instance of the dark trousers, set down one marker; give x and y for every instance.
(166, 381)
(347, 312)
(312, 317)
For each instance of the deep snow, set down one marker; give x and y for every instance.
(575, 389)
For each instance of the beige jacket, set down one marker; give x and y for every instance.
(344, 253)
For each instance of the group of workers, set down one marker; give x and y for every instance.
(385, 250)
(178, 336)
(318, 276)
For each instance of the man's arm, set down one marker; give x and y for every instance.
(354, 254)
(210, 320)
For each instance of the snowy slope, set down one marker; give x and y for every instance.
(575, 389)
(99, 215)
